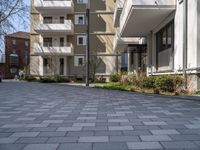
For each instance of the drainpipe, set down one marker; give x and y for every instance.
(185, 40)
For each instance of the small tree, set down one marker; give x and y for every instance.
(11, 11)
(95, 62)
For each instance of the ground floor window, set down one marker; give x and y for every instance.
(78, 61)
(165, 47)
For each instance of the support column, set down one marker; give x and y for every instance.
(129, 61)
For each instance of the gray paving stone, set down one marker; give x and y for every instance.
(144, 145)
(156, 138)
(107, 133)
(41, 147)
(62, 140)
(93, 139)
(120, 128)
(124, 139)
(80, 133)
(36, 140)
(179, 145)
(69, 129)
(7, 140)
(164, 132)
(25, 134)
(51, 134)
(155, 123)
(75, 146)
(110, 146)
(11, 146)
(84, 124)
(2, 135)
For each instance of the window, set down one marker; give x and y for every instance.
(47, 42)
(14, 51)
(79, 19)
(14, 59)
(48, 20)
(81, 40)
(26, 43)
(14, 42)
(78, 61)
(62, 20)
(82, 1)
(165, 37)
(61, 42)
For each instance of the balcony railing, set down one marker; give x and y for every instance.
(48, 5)
(55, 27)
(53, 49)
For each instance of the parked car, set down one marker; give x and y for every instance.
(1, 76)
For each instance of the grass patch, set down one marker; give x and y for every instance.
(132, 88)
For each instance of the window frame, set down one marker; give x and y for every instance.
(159, 37)
(84, 40)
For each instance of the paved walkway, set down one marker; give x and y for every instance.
(36, 116)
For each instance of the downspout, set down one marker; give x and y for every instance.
(185, 40)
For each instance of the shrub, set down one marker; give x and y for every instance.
(156, 91)
(115, 77)
(61, 79)
(128, 79)
(178, 81)
(47, 79)
(198, 92)
(54, 79)
(30, 78)
(165, 83)
(148, 82)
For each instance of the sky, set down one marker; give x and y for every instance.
(21, 27)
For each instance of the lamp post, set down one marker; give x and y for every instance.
(185, 39)
(87, 77)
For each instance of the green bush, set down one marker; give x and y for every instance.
(115, 77)
(54, 79)
(30, 78)
(128, 79)
(178, 81)
(148, 82)
(165, 83)
(47, 79)
(198, 92)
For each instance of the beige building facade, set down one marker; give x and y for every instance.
(59, 40)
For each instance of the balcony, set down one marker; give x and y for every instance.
(121, 43)
(118, 10)
(54, 6)
(139, 17)
(55, 27)
(53, 50)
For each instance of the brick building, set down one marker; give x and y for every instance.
(2, 65)
(17, 50)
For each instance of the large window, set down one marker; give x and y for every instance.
(165, 37)
(48, 20)
(47, 42)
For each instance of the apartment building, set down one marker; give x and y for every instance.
(170, 28)
(17, 49)
(59, 40)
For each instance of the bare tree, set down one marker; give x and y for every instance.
(11, 11)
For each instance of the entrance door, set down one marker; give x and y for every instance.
(61, 66)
